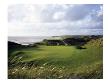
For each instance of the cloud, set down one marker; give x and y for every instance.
(45, 20)
(23, 13)
(59, 16)
(59, 28)
(77, 12)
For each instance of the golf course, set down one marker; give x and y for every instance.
(57, 62)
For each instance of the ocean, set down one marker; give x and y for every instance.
(25, 40)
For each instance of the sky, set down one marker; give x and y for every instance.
(55, 19)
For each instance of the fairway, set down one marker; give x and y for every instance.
(50, 52)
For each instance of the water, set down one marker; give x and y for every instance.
(27, 40)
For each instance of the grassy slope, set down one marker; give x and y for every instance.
(58, 62)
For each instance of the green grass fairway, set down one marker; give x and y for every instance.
(56, 62)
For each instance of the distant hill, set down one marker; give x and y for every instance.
(71, 39)
(13, 44)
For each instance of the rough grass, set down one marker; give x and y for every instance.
(55, 62)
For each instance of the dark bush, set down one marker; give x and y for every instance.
(80, 47)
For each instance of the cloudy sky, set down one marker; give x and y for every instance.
(54, 19)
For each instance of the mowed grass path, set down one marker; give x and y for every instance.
(74, 63)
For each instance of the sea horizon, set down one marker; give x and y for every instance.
(26, 40)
